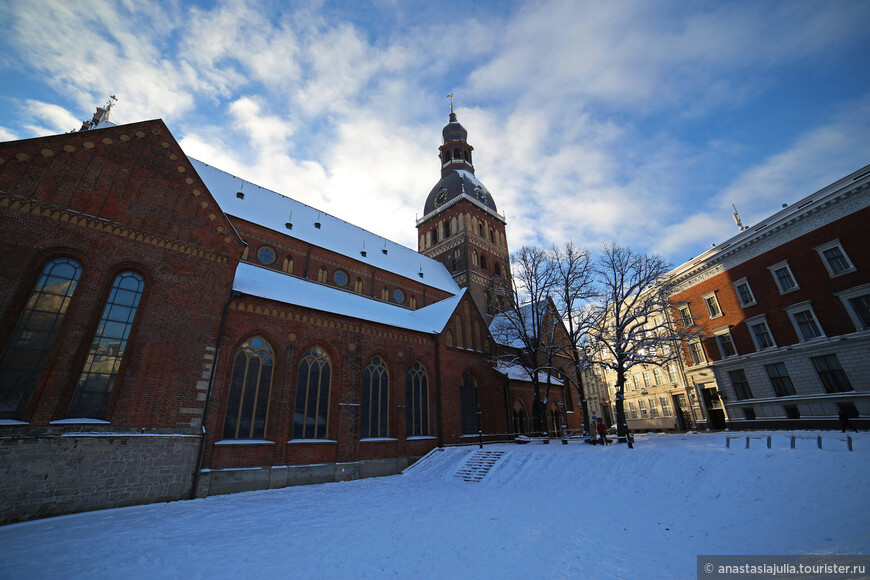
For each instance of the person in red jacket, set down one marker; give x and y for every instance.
(602, 432)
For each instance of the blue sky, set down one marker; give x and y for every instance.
(636, 122)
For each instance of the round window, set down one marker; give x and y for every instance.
(340, 278)
(266, 255)
(398, 296)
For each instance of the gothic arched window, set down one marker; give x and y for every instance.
(100, 372)
(469, 400)
(311, 418)
(417, 401)
(33, 337)
(375, 399)
(250, 387)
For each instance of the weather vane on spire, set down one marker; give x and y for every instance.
(450, 96)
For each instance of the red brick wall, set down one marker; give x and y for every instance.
(116, 199)
(810, 274)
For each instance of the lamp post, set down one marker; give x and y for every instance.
(479, 427)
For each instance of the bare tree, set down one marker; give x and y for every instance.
(522, 325)
(632, 326)
(573, 292)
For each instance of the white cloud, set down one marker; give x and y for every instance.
(815, 159)
(51, 118)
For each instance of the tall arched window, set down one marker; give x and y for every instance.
(322, 275)
(250, 386)
(417, 401)
(520, 417)
(100, 372)
(470, 402)
(375, 399)
(32, 338)
(311, 418)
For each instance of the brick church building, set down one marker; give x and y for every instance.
(172, 331)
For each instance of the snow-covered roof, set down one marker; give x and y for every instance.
(517, 372)
(264, 283)
(272, 210)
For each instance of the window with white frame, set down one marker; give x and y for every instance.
(857, 303)
(726, 344)
(657, 375)
(642, 406)
(760, 332)
(835, 259)
(686, 316)
(636, 380)
(806, 325)
(744, 292)
(672, 372)
(653, 407)
(666, 407)
(712, 303)
(784, 278)
(632, 410)
(646, 380)
(696, 351)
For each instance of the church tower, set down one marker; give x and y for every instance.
(461, 226)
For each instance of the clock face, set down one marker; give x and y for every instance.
(441, 197)
(480, 195)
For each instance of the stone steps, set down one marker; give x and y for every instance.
(478, 465)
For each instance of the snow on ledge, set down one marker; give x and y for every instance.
(371, 439)
(12, 422)
(420, 438)
(102, 434)
(298, 441)
(80, 421)
(244, 442)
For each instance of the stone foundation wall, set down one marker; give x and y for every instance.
(53, 474)
(234, 480)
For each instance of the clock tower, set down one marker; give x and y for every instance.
(461, 226)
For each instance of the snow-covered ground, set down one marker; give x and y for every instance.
(543, 511)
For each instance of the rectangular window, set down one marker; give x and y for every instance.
(861, 306)
(857, 303)
(760, 333)
(780, 380)
(804, 320)
(726, 345)
(653, 408)
(672, 373)
(666, 407)
(657, 375)
(632, 410)
(696, 351)
(740, 384)
(636, 380)
(784, 279)
(686, 316)
(712, 305)
(807, 324)
(646, 379)
(835, 259)
(642, 406)
(832, 374)
(744, 292)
